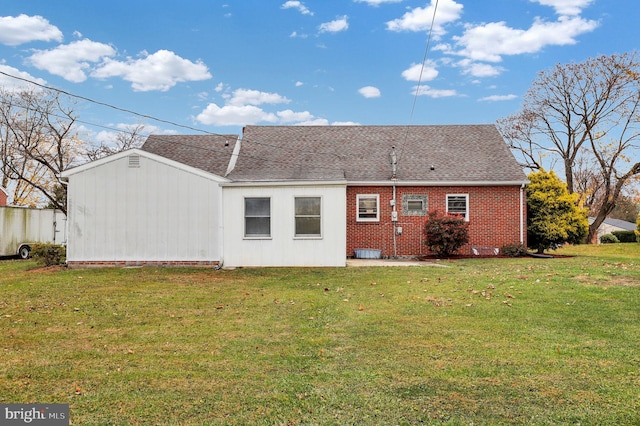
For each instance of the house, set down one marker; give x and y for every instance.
(293, 195)
(4, 194)
(611, 225)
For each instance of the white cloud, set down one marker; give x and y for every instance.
(255, 97)
(429, 72)
(345, 123)
(296, 34)
(477, 69)
(497, 98)
(566, 7)
(369, 92)
(335, 26)
(15, 30)
(159, 71)
(299, 83)
(242, 107)
(288, 116)
(71, 61)
(490, 41)
(13, 84)
(293, 4)
(434, 93)
(420, 18)
(234, 115)
(376, 2)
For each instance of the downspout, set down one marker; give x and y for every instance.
(394, 211)
(522, 214)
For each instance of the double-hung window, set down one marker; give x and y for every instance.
(458, 204)
(257, 217)
(308, 213)
(368, 207)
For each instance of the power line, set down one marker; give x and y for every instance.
(415, 97)
(93, 101)
(146, 116)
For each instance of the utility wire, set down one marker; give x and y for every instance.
(93, 101)
(415, 97)
(148, 117)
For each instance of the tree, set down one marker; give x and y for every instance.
(129, 138)
(445, 234)
(583, 114)
(553, 218)
(38, 142)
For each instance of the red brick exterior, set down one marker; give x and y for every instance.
(494, 218)
(3, 197)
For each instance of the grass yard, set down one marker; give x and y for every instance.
(482, 342)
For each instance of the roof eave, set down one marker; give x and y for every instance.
(438, 183)
(285, 183)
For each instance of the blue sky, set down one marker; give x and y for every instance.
(217, 65)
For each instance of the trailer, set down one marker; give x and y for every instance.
(21, 227)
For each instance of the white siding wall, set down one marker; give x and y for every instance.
(283, 249)
(152, 213)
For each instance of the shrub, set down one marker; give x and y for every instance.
(445, 234)
(553, 216)
(609, 239)
(625, 236)
(514, 250)
(49, 254)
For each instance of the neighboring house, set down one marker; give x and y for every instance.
(611, 225)
(4, 194)
(293, 195)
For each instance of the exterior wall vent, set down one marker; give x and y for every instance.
(134, 161)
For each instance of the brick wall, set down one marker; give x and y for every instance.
(3, 197)
(494, 218)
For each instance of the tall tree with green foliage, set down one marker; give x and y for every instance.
(553, 216)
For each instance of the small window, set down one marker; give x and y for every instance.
(414, 205)
(368, 208)
(458, 204)
(308, 216)
(257, 217)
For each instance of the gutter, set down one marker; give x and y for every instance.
(438, 183)
(285, 183)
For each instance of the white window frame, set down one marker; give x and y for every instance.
(295, 216)
(466, 204)
(256, 236)
(367, 219)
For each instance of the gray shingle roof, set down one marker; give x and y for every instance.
(458, 153)
(210, 153)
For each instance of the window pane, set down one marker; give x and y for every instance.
(307, 226)
(257, 217)
(414, 204)
(307, 206)
(258, 226)
(457, 204)
(257, 206)
(368, 207)
(307, 216)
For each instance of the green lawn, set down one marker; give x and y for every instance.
(482, 342)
